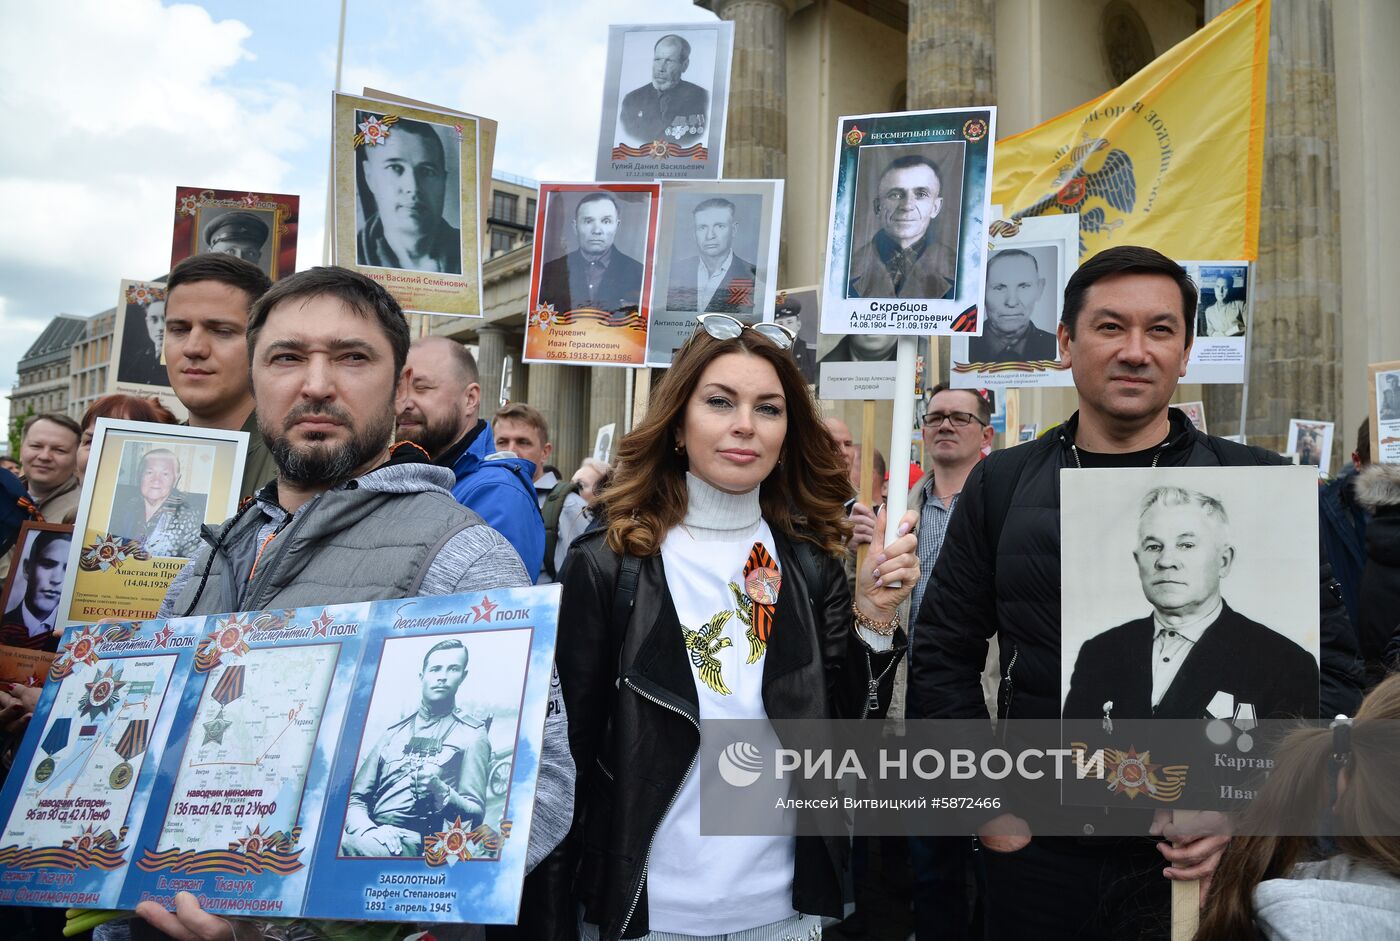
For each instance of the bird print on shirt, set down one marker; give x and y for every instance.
(704, 644)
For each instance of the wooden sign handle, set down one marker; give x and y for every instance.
(1186, 896)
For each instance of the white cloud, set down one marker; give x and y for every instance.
(111, 106)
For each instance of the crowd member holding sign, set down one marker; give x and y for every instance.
(206, 350)
(1126, 333)
(714, 589)
(350, 517)
(441, 414)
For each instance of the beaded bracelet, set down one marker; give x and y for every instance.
(883, 628)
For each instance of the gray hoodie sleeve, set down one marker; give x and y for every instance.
(476, 559)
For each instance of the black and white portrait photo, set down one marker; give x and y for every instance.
(408, 196)
(34, 586)
(1189, 593)
(859, 348)
(665, 95)
(1388, 395)
(595, 249)
(142, 340)
(1222, 310)
(797, 310)
(903, 243)
(1022, 289)
(437, 743)
(243, 233)
(712, 244)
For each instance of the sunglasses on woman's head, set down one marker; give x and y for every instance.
(725, 327)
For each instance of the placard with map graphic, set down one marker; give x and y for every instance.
(81, 781)
(309, 762)
(239, 800)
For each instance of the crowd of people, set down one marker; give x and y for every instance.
(711, 573)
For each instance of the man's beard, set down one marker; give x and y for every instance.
(329, 464)
(434, 436)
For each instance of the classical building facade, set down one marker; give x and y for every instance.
(90, 362)
(1329, 208)
(43, 371)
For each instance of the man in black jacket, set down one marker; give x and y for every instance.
(1126, 333)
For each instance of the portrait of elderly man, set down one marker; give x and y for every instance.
(240, 234)
(1193, 656)
(904, 259)
(714, 280)
(163, 517)
(431, 765)
(596, 274)
(30, 620)
(143, 338)
(667, 108)
(403, 189)
(1014, 287)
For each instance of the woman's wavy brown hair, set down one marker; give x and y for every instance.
(1294, 801)
(803, 497)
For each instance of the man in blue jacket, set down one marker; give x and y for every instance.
(442, 416)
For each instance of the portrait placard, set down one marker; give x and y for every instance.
(406, 202)
(257, 227)
(1311, 441)
(665, 98)
(603, 442)
(862, 366)
(590, 286)
(138, 345)
(1224, 316)
(906, 248)
(1188, 593)
(1385, 412)
(716, 252)
(1028, 265)
(148, 490)
(34, 586)
(799, 309)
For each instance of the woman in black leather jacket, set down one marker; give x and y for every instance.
(714, 590)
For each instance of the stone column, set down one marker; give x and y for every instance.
(1297, 286)
(607, 403)
(491, 353)
(756, 136)
(569, 431)
(952, 53)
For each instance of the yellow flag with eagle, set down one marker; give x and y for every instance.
(1171, 159)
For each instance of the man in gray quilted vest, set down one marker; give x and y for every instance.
(351, 516)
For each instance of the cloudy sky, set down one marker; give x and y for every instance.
(111, 104)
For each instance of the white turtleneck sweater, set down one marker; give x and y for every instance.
(706, 885)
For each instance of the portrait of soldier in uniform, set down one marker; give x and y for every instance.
(1388, 403)
(1193, 655)
(668, 108)
(432, 765)
(242, 234)
(1310, 445)
(904, 258)
(402, 192)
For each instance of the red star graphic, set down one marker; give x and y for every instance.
(318, 626)
(483, 610)
(163, 636)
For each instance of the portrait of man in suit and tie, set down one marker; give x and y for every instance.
(714, 279)
(1192, 655)
(596, 274)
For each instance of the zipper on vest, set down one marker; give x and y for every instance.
(646, 861)
(290, 529)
